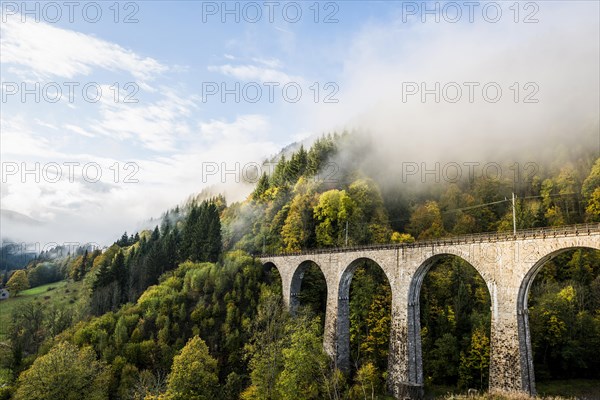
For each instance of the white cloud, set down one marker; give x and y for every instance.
(157, 125)
(254, 73)
(78, 130)
(269, 62)
(283, 30)
(45, 124)
(48, 51)
(18, 138)
(241, 130)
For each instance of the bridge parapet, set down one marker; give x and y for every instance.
(488, 237)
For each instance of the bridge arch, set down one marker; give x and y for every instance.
(272, 273)
(343, 309)
(348, 273)
(526, 351)
(296, 283)
(414, 345)
(269, 264)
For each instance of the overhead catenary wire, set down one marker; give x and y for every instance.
(491, 203)
(505, 200)
(475, 206)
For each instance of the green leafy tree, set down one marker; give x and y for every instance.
(76, 268)
(369, 220)
(592, 182)
(194, 373)
(368, 383)
(303, 362)
(590, 190)
(332, 212)
(370, 312)
(26, 330)
(18, 282)
(426, 221)
(568, 184)
(443, 359)
(43, 273)
(66, 372)
(376, 344)
(398, 237)
(264, 349)
(474, 366)
(593, 206)
(298, 231)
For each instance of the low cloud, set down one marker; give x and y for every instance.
(554, 62)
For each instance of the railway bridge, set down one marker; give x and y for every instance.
(507, 262)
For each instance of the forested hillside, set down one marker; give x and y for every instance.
(186, 311)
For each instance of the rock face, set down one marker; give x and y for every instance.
(508, 264)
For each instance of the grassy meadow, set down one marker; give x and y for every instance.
(63, 294)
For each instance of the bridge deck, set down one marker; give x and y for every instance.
(537, 233)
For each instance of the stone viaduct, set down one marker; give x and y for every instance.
(507, 263)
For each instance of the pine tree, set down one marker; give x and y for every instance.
(214, 247)
(201, 247)
(170, 249)
(155, 234)
(83, 270)
(319, 154)
(165, 226)
(103, 277)
(279, 178)
(124, 240)
(261, 187)
(120, 274)
(296, 167)
(189, 233)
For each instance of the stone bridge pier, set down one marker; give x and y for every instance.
(508, 265)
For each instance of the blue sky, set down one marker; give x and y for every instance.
(174, 53)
